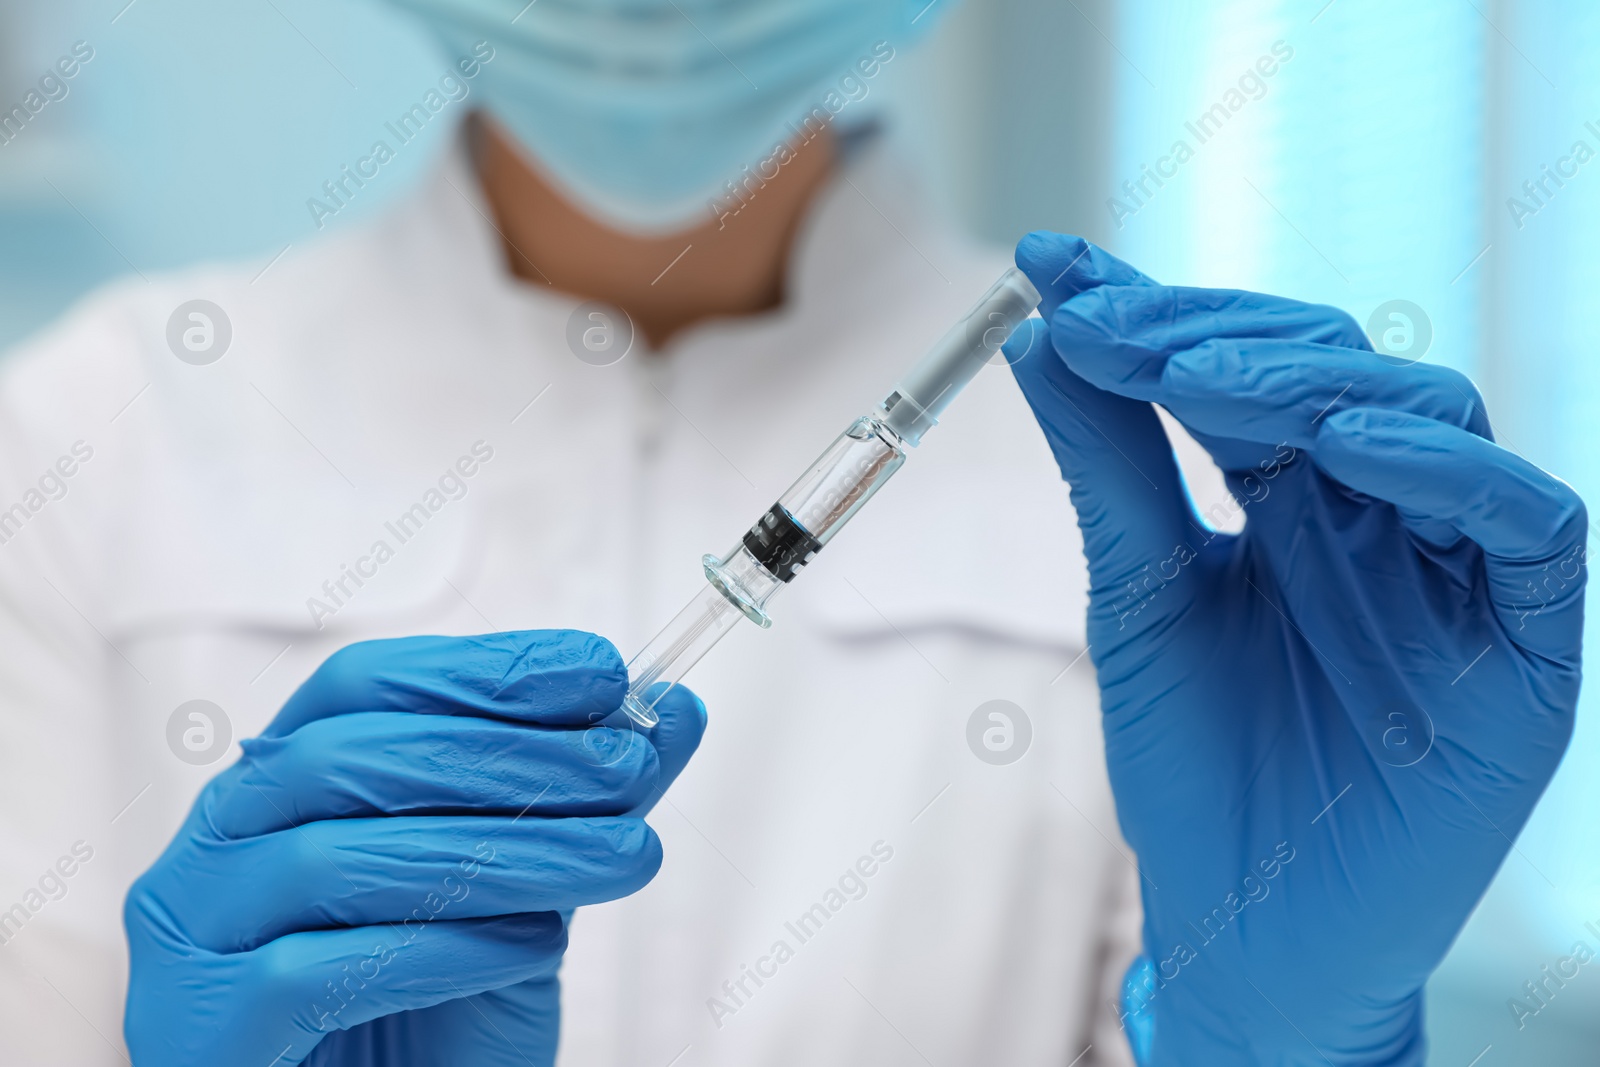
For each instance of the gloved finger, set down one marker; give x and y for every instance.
(553, 677)
(1273, 391)
(674, 739)
(1532, 528)
(1119, 338)
(1112, 451)
(304, 986)
(1061, 266)
(361, 872)
(515, 1025)
(391, 763)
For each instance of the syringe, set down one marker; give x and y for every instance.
(812, 511)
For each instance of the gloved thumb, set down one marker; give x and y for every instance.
(1112, 451)
(675, 737)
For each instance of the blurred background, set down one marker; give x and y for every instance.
(1384, 159)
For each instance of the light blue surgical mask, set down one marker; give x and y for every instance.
(643, 110)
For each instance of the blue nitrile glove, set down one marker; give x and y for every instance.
(1309, 848)
(378, 879)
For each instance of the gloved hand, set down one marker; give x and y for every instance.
(1324, 733)
(378, 879)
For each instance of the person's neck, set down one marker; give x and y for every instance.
(734, 265)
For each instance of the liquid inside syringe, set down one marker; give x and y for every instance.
(808, 515)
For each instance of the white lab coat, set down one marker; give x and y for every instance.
(218, 499)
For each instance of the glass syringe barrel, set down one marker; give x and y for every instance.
(830, 492)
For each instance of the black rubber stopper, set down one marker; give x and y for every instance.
(780, 544)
